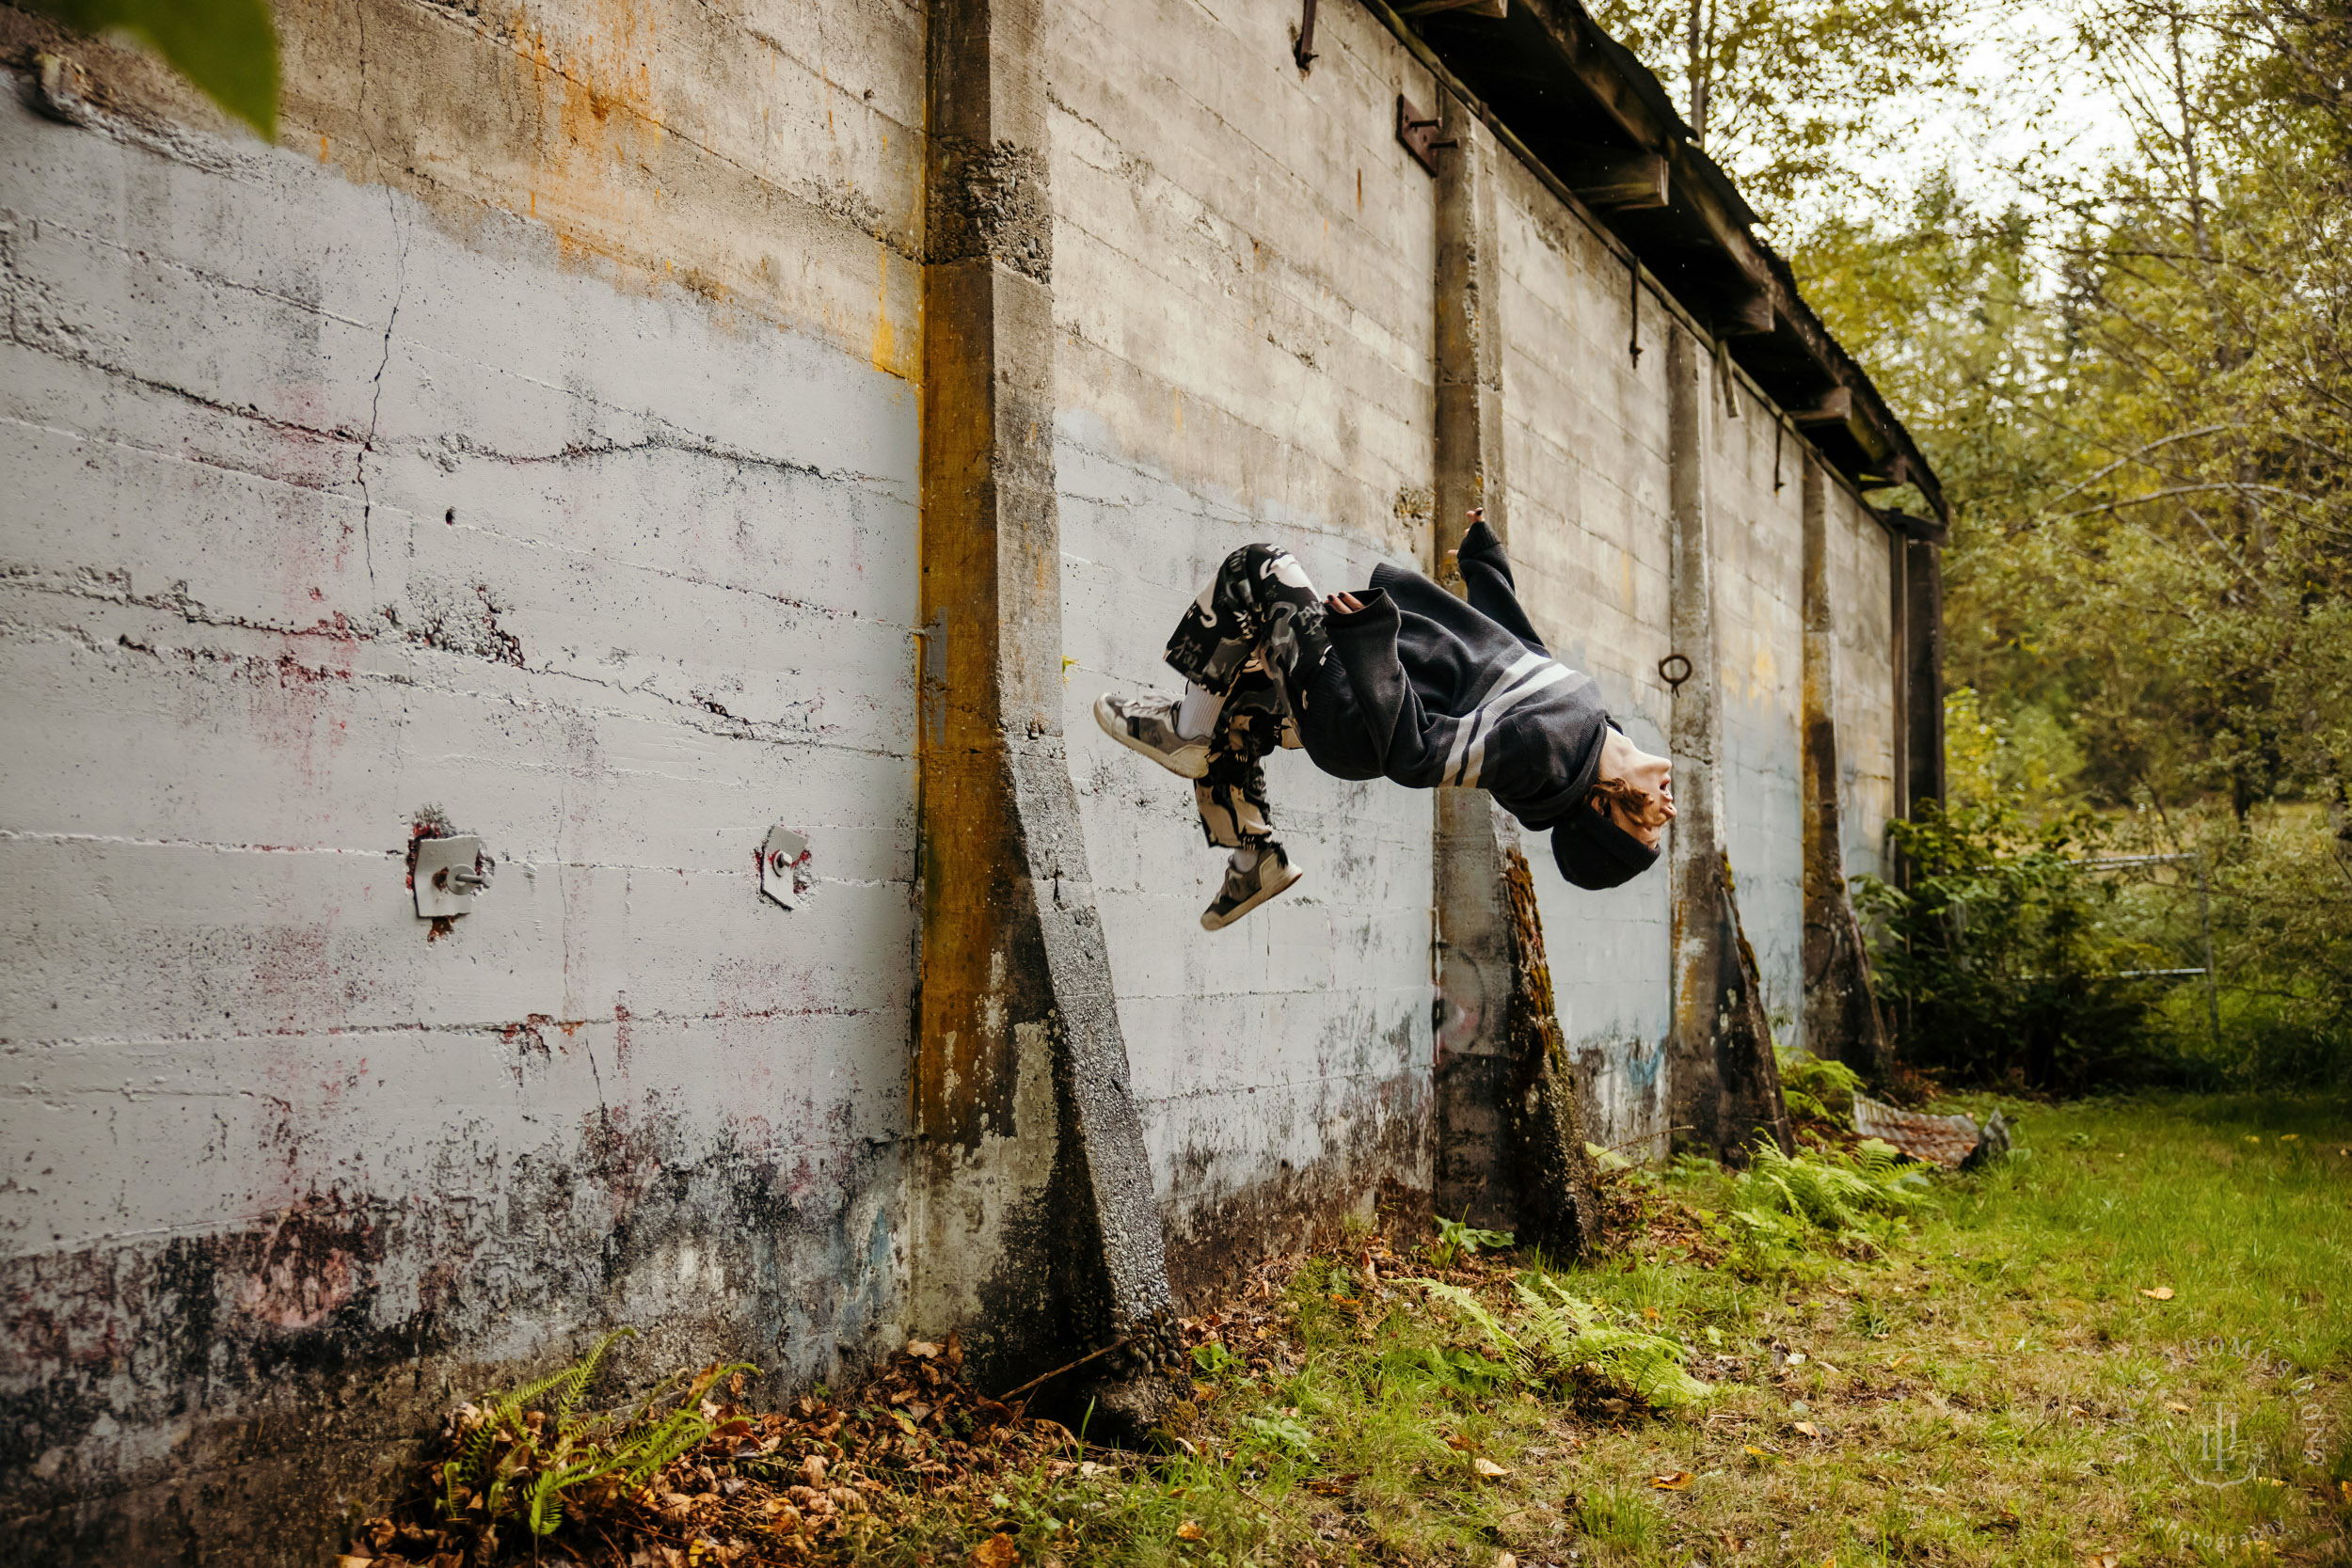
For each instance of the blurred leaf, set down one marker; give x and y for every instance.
(227, 48)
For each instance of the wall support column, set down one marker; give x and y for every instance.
(1510, 1142)
(1723, 1082)
(1923, 670)
(1841, 1016)
(1037, 1229)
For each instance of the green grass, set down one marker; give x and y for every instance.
(1976, 1377)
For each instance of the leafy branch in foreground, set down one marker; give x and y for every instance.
(227, 48)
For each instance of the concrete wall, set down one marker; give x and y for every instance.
(528, 437)
(1242, 277)
(533, 436)
(1584, 461)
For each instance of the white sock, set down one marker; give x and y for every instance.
(1196, 714)
(1245, 858)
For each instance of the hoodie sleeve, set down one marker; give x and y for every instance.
(1364, 642)
(1486, 571)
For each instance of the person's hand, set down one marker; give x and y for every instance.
(1343, 603)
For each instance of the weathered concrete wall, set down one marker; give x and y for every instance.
(1758, 536)
(520, 440)
(1586, 461)
(1587, 466)
(1861, 609)
(1243, 280)
(534, 435)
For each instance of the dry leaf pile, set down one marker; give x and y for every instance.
(819, 1479)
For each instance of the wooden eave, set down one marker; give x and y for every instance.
(1594, 124)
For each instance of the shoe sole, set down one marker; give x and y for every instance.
(1116, 728)
(1210, 920)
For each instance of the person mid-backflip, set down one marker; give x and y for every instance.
(1405, 682)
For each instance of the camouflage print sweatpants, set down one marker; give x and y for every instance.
(1254, 637)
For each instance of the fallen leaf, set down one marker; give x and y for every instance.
(1488, 1468)
(2162, 1292)
(2100, 1559)
(1504, 1560)
(922, 1350)
(1760, 1454)
(348, 1560)
(1808, 1429)
(1457, 1444)
(997, 1551)
(1678, 1482)
(2176, 1407)
(1188, 1530)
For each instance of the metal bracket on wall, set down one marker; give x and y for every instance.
(1303, 47)
(781, 859)
(449, 872)
(1418, 134)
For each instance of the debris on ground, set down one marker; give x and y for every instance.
(1951, 1142)
(523, 1478)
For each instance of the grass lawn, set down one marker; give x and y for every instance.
(2131, 1345)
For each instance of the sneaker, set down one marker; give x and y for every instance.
(1245, 891)
(1148, 724)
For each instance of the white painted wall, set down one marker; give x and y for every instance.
(319, 514)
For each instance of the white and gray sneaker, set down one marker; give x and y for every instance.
(1148, 724)
(1246, 889)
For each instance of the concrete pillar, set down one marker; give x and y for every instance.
(1722, 1082)
(1841, 1016)
(1510, 1147)
(1037, 1231)
(1923, 670)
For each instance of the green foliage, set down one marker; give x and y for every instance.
(2003, 960)
(1560, 1338)
(227, 48)
(1816, 1087)
(517, 1453)
(1784, 1208)
(1458, 1239)
(1281, 1432)
(1213, 1359)
(2135, 384)
(1618, 1517)
(1789, 95)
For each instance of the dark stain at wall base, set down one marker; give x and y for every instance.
(1382, 1151)
(236, 1397)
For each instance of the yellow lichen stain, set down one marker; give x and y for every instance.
(1177, 395)
(885, 339)
(321, 147)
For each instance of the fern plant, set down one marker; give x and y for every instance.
(1559, 1335)
(517, 1453)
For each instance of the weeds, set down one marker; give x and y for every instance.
(1997, 1384)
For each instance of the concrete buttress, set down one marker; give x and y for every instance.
(1510, 1145)
(1841, 1016)
(1724, 1083)
(1038, 1229)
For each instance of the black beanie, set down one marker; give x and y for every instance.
(1592, 851)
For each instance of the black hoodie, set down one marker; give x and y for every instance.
(1429, 690)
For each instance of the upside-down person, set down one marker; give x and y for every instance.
(1404, 681)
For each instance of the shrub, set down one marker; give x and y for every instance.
(2002, 961)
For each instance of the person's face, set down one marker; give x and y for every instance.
(1624, 761)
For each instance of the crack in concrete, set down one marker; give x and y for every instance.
(765, 731)
(363, 1034)
(375, 394)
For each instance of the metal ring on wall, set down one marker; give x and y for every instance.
(1666, 672)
